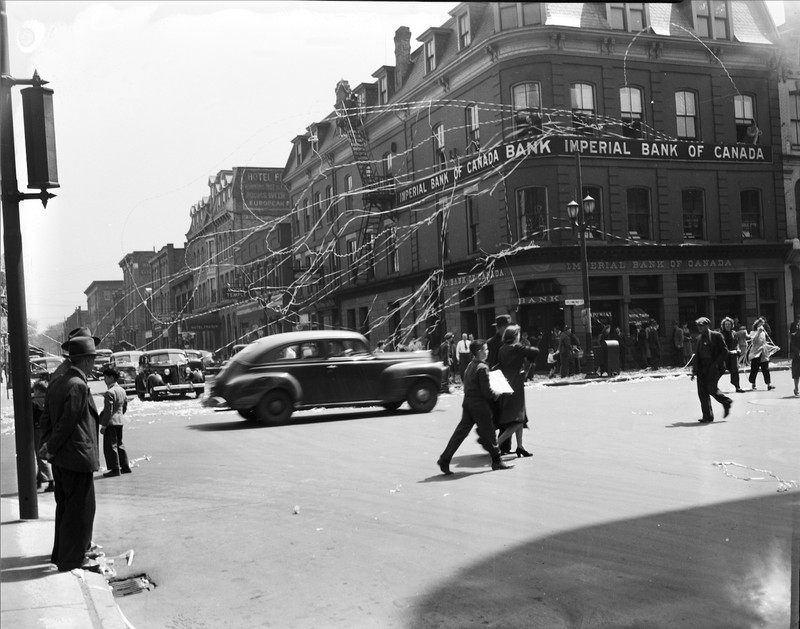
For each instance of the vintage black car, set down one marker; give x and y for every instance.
(273, 376)
(127, 363)
(167, 372)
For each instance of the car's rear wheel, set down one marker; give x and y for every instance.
(422, 396)
(274, 407)
(392, 406)
(249, 414)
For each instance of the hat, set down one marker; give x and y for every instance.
(502, 320)
(449, 335)
(703, 321)
(80, 346)
(78, 332)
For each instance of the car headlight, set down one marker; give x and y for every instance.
(166, 372)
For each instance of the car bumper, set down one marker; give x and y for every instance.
(178, 388)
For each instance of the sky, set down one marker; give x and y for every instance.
(153, 98)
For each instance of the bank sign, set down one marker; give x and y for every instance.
(556, 146)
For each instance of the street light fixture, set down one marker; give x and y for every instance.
(578, 214)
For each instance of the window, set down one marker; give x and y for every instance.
(694, 213)
(594, 221)
(352, 261)
(508, 16)
(630, 104)
(686, 114)
(442, 213)
(794, 118)
(711, 19)
(531, 13)
(383, 91)
(387, 164)
(392, 261)
(430, 56)
(439, 155)
(330, 206)
(306, 217)
(473, 241)
(639, 213)
(298, 152)
(626, 16)
(532, 213)
(746, 130)
(473, 129)
(583, 112)
(464, 37)
(526, 99)
(751, 213)
(317, 208)
(348, 193)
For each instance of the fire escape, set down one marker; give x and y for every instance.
(377, 191)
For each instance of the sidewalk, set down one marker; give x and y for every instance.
(34, 593)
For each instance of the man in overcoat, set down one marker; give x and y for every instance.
(72, 450)
(708, 365)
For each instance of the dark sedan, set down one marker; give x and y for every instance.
(273, 376)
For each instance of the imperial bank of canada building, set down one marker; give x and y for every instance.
(435, 198)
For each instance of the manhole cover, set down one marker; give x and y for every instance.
(131, 585)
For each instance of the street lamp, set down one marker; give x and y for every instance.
(578, 214)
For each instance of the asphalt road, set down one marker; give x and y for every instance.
(341, 519)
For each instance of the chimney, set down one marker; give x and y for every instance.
(402, 56)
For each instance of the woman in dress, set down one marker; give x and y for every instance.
(511, 360)
(759, 354)
(732, 361)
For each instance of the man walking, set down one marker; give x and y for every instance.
(708, 366)
(463, 354)
(115, 405)
(72, 450)
(476, 410)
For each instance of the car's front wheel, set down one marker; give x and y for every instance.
(275, 407)
(422, 396)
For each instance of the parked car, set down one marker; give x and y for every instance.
(200, 359)
(166, 372)
(271, 377)
(42, 367)
(127, 363)
(101, 361)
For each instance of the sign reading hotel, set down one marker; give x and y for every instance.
(557, 146)
(261, 190)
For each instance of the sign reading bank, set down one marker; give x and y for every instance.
(484, 161)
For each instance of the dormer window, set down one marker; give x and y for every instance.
(515, 14)
(298, 152)
(464, 35)
(711, 19)
(430, 56)
(383, 90)
(626, 16)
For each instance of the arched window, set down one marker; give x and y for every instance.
(532, 213)
(694, 214)
(686, 114)
(631, 108)
(472, 125)
(439, 152)
(638, 204)
(526, 99)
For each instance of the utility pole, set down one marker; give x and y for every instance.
(42, 174)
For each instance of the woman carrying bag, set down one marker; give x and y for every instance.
(761, 348)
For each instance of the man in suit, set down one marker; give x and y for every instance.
(708, 365)
(72, 450)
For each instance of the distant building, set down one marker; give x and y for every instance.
(135, 325)
(100, 299)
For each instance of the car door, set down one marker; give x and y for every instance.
(353, 370)
(305, 361)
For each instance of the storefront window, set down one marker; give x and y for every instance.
(645, 284)
(728, 281)
(692, 283)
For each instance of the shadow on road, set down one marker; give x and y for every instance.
(695, 424)
(299, 418)
(725, 566)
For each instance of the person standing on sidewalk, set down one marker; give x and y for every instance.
(476, 409)
(115, 405)
(708, 366)
(732, 362)
(72, 451)
(463, 354)
(794, 352)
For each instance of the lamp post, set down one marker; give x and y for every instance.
(577, 214)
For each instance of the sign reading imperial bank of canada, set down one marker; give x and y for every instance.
(553, 146)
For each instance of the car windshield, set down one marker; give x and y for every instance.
(167, 358)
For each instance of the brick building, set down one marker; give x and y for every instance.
(435, 198)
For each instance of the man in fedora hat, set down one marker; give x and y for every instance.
(708, 365)
(72, 450)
